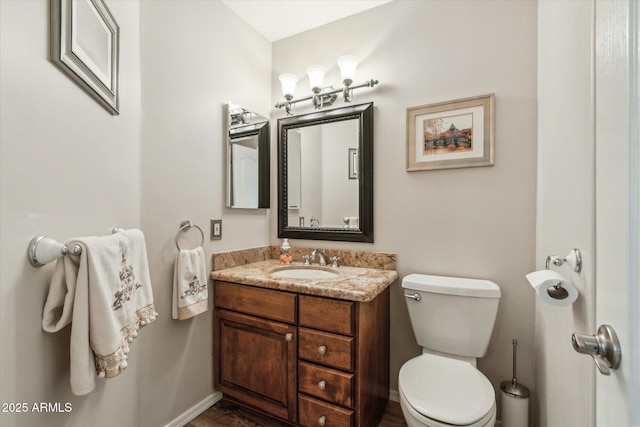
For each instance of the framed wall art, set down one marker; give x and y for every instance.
(85, 41)
(353, 163)
(453, 134)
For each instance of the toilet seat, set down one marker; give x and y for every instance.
(446, 391)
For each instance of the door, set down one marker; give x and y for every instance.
(617, 214)
(257, 362)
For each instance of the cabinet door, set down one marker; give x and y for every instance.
(256, 362)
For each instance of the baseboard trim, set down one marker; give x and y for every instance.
(196, 410)
(394, 395)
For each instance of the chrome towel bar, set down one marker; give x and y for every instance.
(43, 250)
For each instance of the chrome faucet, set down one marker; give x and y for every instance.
(322, 260)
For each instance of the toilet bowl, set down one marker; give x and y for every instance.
(437, 391)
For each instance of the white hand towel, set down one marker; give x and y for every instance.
(190, 291)
(106, 294)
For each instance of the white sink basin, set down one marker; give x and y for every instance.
(304, 273)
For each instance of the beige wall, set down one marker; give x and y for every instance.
(566, 210)
(474, 222)
(196, 56)
(69, 168)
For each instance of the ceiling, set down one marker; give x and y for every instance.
(278, 19)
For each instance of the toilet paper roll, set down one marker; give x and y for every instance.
(542, 280)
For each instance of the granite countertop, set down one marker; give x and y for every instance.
(352, 283)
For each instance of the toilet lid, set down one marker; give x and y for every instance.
(447, 390)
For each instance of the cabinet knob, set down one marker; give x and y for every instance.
(322, 349)
(322, 385)
(289, 336)
(322, 420)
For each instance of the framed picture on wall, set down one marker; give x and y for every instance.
(85, 43)
(453, 134)
(353, 163)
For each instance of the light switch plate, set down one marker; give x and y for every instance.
(216, 229)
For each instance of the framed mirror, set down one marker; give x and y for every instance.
(325, 175)
(248, 158)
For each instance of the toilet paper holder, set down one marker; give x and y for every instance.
(574, 259)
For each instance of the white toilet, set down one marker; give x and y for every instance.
(452, 320)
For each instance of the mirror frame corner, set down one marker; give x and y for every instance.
(364, 113)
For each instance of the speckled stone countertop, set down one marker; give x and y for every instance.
(352, 283)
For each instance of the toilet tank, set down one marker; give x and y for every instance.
(452, 315)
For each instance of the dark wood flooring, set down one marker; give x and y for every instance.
(227, 414)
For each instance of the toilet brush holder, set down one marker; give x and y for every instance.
(515, 399)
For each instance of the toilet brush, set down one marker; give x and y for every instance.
(515, 399)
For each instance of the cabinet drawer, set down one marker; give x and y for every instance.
(326, 314)
(325, 348)
(325, 383)
(313, 413)
(266, 303)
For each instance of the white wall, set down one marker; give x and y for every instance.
(566, 208)
(69, 168)
(196, 56)
(473, 222)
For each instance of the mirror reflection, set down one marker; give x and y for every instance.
(322, 175)
(325, 175)
(247, 158)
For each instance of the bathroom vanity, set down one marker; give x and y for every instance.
(308, 351)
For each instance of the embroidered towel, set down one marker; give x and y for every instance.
(190, 293)
(105, 293)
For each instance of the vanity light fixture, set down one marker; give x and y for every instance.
(322, 96)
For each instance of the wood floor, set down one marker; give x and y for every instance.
(228, 414)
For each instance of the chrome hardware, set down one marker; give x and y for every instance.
(322, 349)
(334, 261)
(320, 254)
(289, 336)
(307, 259)
(415, 296)
(184, 226)
(604, 347)
(322, 385)
(322, 420)
(574, 259)
(42, 249)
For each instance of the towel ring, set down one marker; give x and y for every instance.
(184, 226)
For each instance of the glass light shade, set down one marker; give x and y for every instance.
(316, 76)
(288, 82)
(348, 64)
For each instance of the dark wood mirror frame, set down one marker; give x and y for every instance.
(264, 159)
(364, 114)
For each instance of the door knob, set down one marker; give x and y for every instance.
(604, 347)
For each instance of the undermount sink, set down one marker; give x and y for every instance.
(303, 273)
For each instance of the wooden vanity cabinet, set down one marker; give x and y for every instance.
(333, 369)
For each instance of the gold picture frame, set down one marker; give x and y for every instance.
(452, 134)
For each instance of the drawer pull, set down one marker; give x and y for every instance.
(322, 350)
(322, 385)
(322, 420)
(289, 336)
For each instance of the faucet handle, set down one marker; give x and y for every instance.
(306, 259)
(334, 261)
